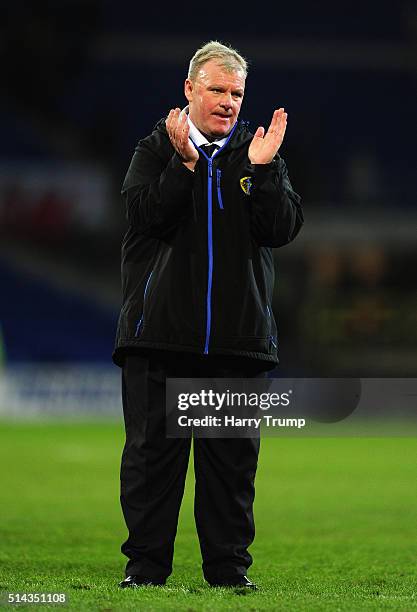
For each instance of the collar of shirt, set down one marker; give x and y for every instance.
(199, 139)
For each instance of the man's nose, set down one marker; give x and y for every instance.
(226, 101)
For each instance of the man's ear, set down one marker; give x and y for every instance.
(188, 89)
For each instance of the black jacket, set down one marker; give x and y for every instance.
(197, 265)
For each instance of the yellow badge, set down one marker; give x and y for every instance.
(246, 184)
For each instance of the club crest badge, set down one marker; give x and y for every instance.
(246, 184)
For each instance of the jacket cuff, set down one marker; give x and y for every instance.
(177, 164)
(264, 172)
(261, 169)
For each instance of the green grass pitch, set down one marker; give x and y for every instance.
(336, 524)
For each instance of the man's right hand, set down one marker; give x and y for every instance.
(178, 132)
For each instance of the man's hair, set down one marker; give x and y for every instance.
(228, 58)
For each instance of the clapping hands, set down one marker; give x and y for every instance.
(264, 147)
(178, 132)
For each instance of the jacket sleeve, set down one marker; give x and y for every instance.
(158, 193)
(276, 215)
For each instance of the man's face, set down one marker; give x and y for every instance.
(215, 98)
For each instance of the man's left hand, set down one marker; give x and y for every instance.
(264, 147)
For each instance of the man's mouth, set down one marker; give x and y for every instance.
(222, 116)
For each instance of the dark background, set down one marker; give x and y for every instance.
(83, 81)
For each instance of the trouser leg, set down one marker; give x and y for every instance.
(224, 494)
(225, 470)
(153, 471)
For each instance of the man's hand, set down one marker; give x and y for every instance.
(264, 146)
(178, 131)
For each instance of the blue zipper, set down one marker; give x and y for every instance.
(210, 233)
(210, 253)
(140, 322)
(219, 193)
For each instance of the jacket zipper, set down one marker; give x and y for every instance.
(210, 253)
(141, 321)
(210, 235)
(219, 193)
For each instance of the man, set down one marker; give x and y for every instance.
(206, 202)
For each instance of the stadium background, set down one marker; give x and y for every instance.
(80, 86)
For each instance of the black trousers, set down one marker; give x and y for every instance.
(154, 467)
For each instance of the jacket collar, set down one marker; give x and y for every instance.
(199, 139)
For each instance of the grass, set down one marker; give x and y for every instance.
(336, 526)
